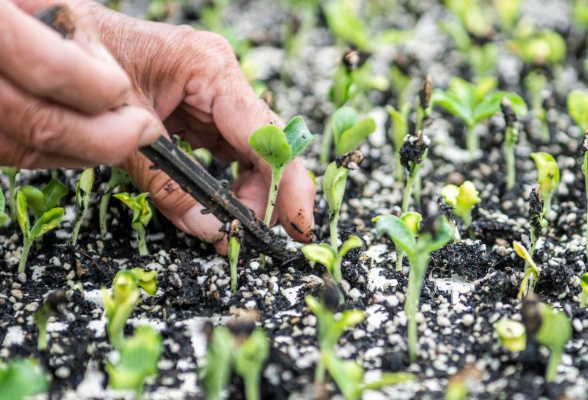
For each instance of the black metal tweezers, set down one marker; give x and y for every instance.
(216, 197)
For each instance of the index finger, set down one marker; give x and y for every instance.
(41, 62)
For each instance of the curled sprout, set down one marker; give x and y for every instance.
(333, 184)
(548, 178)
(532, 271)
(141, 216)
(463, 199)
(434, 233)
(325, 255)
(279, 147)
(511, 334)
(83, 194)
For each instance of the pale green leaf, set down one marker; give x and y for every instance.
(578, 108)
(352, 137)
(298, 137)
(353, 242)
(398, 231)
(47, 222)
(54, 191)
(320, 253)
(556, 328)
(334, 186)
(271, 144)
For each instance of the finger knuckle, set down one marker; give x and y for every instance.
(25, 158)
(42, 126)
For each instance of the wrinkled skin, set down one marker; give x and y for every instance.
(175, 80)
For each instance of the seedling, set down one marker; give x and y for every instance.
(3, 217)
(463, 199)
(412, 220)
(532, 271)
(346, 25)
(352, 79)
(279, 147)
(398, 132)
(118, 177)
(412, 154)
(334, 183)
(216, 371)
(349, 377)
(511, 334)
(329, 258)
(349, 129)
(46, 222)
(548, 178)
(584, 286)
(201, 155)
(555, 331)
(141, 216)
(249, 359)
(330, 328)
(424, 101)
(511, 138)
(21, 379)
(41, 317)
(546, 47)
(83, 194)
(509, 13)
(474, 24)
(11, 173)
(120, 304)
(50, 306)
(435, 233)
(537, 221)
(578, 108)
(535, 84)
(139, 356)
(45, 199)
(474, 103)
(235, 241)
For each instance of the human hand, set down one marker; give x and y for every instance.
(60, 99)
(193, 82)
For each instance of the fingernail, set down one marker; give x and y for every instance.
(150, 134)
